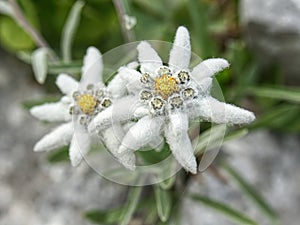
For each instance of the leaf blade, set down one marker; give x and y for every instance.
(69, 30)
(251, 192)
(234, 214)
(163, 203)
(281, 93)
(131, 205)
(104, 217)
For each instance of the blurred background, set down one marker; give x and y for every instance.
(255, 179)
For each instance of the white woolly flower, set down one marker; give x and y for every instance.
(169, 96)
(82, 102)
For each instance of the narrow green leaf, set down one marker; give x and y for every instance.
(210, 138)
(252, 193)
(163, 203)
(217, 135)
(199, 18)
(168, 183)
(72, 68)
(40, 64)
(228, 211)
(280, 93)
(131, 205)
(69, 30)
(236, 134)
(104, 217)
(13, 37)
(278, 117)
(5, 8)
(148, 208)
(60, 155)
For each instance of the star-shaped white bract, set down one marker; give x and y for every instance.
(169, 96)
(82, 102)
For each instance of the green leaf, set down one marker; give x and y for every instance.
(104, 217)
(151, 157)
(217, 135)
(60, 155)
(280, 93)
(252, 193)
(281, 117)
(149, 206)
(210, 138)
(210, 141)
(13, 37)
(71, 68)
(163, 203)
(228, 211)
(199, 16)
(39, 64)
(236, 134)
(131, 205)
(168, 183)
(69, 30)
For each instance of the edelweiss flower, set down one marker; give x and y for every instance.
(169, 96)
(81, 103)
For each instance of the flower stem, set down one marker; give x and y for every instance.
(22, 21)
(127, 33)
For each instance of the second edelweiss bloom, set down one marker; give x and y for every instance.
(172, 95)
(82, 102)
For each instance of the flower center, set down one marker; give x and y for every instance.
(165, 86)
(87, 103)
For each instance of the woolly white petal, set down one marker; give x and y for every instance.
(120, 111)
(148, 58)
(180, 54)
(205, 85)
(112, 138)
(59, 137)
(126, 80)
(117, 87)
(211, 109)
(132, 78)
(179, 142)
(52, 112)
(92, 67)
(141, 112)
(80, 145)
(141, 134)
(66, 84)
(208, 68)
(128, 125)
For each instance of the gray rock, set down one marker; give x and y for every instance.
(269, 164)
(273, 32)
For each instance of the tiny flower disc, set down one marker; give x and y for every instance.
(87, 103)
(165, 86)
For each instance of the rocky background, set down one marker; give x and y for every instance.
(272, 31)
